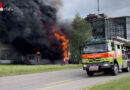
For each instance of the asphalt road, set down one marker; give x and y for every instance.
(74, 79)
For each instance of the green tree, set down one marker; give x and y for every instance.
(81, 31)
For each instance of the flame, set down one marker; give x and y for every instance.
(60, 36)
(38, 52)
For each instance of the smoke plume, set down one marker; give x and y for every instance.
(28, 27)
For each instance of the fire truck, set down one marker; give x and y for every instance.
(106, 55)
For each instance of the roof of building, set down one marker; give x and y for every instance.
(102, 16)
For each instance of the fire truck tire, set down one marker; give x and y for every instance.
(90, 73)
(115, 69)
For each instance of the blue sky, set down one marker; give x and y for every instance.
(113, 8)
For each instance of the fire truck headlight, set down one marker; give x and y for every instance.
(106, 64)
(85, 65)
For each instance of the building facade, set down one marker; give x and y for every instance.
(9, 55)
(104, 27)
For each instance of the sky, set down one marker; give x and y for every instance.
(112, 8)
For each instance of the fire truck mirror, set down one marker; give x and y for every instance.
(112, 45)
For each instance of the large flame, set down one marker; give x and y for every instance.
(61, 37)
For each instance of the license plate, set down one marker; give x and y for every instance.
(93, 68)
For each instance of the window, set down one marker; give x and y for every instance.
(118, 46)
(95, 48)
(109, 47)
(31, 57)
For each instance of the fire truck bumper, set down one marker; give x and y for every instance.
(97, 66)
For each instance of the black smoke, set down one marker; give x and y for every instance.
(28, 27)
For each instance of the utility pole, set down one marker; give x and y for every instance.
(98, 6)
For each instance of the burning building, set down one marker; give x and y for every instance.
(30, 32)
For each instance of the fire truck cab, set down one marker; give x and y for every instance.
(105, 55)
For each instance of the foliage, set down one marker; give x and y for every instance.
(81, 31)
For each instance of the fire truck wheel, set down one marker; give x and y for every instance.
(128, 69)
(115, 69)
(90, 73)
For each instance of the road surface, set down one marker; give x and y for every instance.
(74, 79)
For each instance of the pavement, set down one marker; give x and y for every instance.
(74, 79)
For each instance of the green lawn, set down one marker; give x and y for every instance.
(119, 84)
(7, 70)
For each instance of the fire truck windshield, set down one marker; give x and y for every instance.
(95, 48)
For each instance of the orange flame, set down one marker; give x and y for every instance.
(64, 44)
(38, 52)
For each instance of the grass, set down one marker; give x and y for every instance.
(9, 70)
(119, 84)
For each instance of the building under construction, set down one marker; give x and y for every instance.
(105, 27)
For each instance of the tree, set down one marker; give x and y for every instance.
(81, 31)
